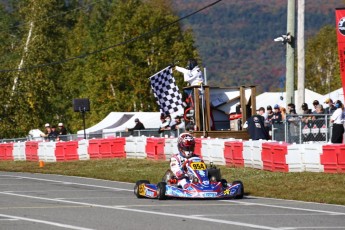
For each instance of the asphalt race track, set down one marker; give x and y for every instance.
(38, 201)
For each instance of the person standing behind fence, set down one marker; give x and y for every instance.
(331, 108)
(338, 127)
(138, 126)
(62, 132)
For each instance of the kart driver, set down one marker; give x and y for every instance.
(185, 145)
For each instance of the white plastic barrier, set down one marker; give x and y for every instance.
(19, 151)
(311, 157)
(46, 151)
(212, 150)
(83, 150)
(252, 153)
(170, 147)
(135, 147)
(294, 158)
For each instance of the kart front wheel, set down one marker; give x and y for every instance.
(137, 187)
(161, 189)
(239, 195)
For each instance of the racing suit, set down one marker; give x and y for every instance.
(193, 77)
(176, 166)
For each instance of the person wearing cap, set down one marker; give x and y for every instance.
(53, 135)
(138, 126)
(277, 116)
(338, 126)
(62, 132)
(331, 108)
(47, 132)
(305, 111)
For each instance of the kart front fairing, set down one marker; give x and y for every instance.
(194, 190)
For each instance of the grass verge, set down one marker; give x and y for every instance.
(306, 186)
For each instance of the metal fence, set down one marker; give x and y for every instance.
(123, 133)
(303, 129)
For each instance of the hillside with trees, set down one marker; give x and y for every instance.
(53, 51)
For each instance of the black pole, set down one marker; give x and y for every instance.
(83, 115)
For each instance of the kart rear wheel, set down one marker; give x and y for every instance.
(239, 196)
(161, 189)
(137, 185)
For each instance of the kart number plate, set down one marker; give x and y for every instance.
(198, 166)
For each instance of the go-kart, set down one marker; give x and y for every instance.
(202, 182)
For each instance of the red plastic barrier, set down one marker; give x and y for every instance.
(329, 157)
(71, 151)
(60, 151)
(155, 148)
(267, 156)
(228, 153)
(94, 149)
(31, 150)
(279, 152)
(233, 153)
(118, 147)
(6, 151)
(341, 159)
(197, 148)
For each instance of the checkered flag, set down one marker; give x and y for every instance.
(166, 91)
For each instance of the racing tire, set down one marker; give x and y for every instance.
(161, 189)
(239, 196)
(136, 187)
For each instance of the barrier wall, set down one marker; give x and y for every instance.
(264, 155)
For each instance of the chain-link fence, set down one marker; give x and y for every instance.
(303, 129)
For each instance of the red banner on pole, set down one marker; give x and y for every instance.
(340, 21)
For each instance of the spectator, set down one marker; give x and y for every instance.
(192, 74)
(62, 132)
(291, 109)
(331, 108)
(315, 103)
(255, 126)
(47, 132)
(283, 112)
(318, 110)
(277, 125)
(338, 127)
(52, 136)
(305, 111)
(277, 116)
(261, 111)
(268, 121)
(138, 126)
(292, 124)
(177, 126)
(166, 120)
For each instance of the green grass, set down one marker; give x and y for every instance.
(306, 186)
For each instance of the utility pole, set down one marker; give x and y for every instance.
(290, 52)
(300, 55)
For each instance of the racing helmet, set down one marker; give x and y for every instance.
(191, 64)
(186, 144)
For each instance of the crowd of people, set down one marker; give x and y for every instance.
(309, 117)
(55, 134)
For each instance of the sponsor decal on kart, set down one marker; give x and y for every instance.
(226, 192)
(142, 190)
(209, 194)
(149, 193)
(198, 166)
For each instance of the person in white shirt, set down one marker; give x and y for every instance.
(192, 74)
(338, 127)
